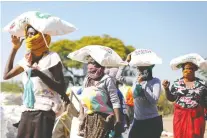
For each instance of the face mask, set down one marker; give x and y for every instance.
(146, 72)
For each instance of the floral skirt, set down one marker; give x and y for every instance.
(95, 126)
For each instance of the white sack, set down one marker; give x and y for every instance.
(192, 57)
(103, 55)
(144, 57)
(42, 22)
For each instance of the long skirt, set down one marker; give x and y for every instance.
(95, 126)
(188, 123)
(36, 124)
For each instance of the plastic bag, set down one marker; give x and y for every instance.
(144, 57)
(62, 126)
(74, 97)
(95, 99)
(74, 128)
(43, 22)
(105, 56)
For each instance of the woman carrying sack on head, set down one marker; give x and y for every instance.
(43, 81)
(147, 122)
(189, 94)
(146, 92)
(100, 105)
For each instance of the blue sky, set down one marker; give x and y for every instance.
(170, 29)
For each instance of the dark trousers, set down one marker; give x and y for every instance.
(36, 124)
(149, 128)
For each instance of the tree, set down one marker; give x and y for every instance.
(64, 47)
(164, 106)
(129, 49)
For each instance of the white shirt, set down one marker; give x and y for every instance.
(45, 98)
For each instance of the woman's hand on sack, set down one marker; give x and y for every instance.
(128, 59)
(118, 128)
(16, 42)
(166, 84)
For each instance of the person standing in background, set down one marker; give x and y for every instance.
(127, 82)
